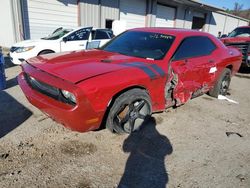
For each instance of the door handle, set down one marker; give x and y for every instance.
(81, 45)
(211, 61)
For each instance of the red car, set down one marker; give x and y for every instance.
(138, 72)
(240, 38)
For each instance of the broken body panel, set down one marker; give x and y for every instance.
(97, 77)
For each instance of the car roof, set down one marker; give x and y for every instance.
(93, 28)
(172, 31)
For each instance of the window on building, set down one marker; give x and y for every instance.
(194, 47)
(198, 23)
(108, 23)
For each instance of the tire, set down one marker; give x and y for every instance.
(46, 52)
(222, 84)
(129, 111)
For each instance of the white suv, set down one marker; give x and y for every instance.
(62, 40)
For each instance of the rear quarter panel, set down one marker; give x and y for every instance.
(226, 57)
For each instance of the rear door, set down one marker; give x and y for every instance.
(76, 40)
(99, 37)
(195, 66)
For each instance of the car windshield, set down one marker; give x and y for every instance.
(240, 32)
(58, 34)
(140, 44)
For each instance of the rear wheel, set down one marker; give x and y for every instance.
(222, 84)
(129, 111)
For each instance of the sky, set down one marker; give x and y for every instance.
(227, 3)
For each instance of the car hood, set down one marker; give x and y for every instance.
(77, 66)
(235, 40)
(27, 43)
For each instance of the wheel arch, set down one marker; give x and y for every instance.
(114, 97)
(230, 67)
(52, 51)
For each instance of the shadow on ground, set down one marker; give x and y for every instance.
(244, 70)
(12, 113)
(145, 166)
(8, 63)
(11, 83)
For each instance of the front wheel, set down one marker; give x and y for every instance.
(129, 111)
(222, 84)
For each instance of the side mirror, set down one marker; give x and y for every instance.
(65, 39)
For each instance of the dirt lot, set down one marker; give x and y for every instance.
(188, 147)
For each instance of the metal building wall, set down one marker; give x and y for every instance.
(95, 12)
(230, 24)
(242, 23)
(11, 20)
(216, 23)
(109, 10)
(40, 18)
(90, 13)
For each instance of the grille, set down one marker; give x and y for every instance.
(46, 89)
(243, 47)
(42, 87)
(13, 48)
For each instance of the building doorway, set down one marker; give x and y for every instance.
(198, 23)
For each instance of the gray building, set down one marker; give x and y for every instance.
(31, 19)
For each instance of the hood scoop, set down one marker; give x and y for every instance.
(106, 60)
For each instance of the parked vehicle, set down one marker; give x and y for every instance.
(240, 38)
(139, 72)
(61, 40)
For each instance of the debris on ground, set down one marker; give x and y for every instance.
(230, 133)
(4, 155)
(222, 97)
(241, 177)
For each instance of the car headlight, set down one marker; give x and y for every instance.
(68, 95)
(24, 49)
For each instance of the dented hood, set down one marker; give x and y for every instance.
(79, 65)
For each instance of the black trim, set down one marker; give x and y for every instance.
(144, 68)
(158, 70)
(155, 67)
(47, 90)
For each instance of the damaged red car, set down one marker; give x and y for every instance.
(137, 73)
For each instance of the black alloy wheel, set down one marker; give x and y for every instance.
(129, 111)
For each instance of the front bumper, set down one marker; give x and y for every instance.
(80, 117)
(18, 58)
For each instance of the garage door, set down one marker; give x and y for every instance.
(165, 16)
(133, 12)
(41, 17)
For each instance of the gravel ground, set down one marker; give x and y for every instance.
(183, 147)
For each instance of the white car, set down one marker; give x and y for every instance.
(60, 41)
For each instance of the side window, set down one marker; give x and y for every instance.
(194, 47)
(81, 34)
(101, 34)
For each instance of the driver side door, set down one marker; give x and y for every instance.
(76, 40)
(194, 64)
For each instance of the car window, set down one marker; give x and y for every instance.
(81, 34)
(194, 47)
(57, 34)
(100, 34)
(141, 44)
(240, 32)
